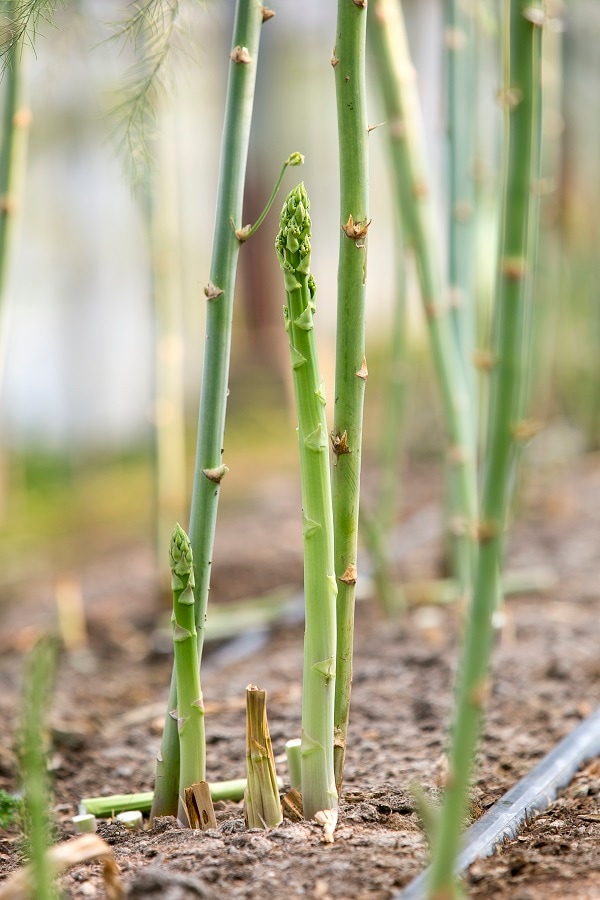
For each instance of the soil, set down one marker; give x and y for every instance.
(110, 696)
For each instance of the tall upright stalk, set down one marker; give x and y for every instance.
(319, 792)
(460, 117)
(350, 365)
(387, 36)
(13, 150)
(522, 98)
(209, 467)
(461, 79)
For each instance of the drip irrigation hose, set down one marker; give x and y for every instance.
(533, 794)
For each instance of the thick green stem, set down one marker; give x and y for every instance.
(350, 363)
(107, 807)
(397, 81)
(522, 99)
(209, 468)
(190, 707)
(293, 249)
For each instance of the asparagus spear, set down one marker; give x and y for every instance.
(350, 362)
(190, 708)
(522, 98)
(293, 249)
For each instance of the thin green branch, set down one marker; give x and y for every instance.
(242, 234)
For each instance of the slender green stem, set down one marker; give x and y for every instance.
(350, 363)
(13, 151)
(461, 82)
(397, 81)
(522, 97)
(39, 679)
(209, 469)
(377, 523)
(293, 249)
(242, 234)
(190, 706)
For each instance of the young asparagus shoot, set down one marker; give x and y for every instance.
(293, 751)
(262, 807)
(350, 363)
(293, 249)
(523, 26)
(190, 707)
(209, 469)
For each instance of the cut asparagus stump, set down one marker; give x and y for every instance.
(262, 806)
(319, 793)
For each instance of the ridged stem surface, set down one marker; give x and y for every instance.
(318, 685)
(350, 363)
(209, 469)
(521, 96)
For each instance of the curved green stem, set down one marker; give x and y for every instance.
(209, 468)
(350, 363)
(242, 234)
(522, 98)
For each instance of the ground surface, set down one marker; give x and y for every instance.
(107, 716)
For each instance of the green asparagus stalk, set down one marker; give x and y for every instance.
(39, 678)
(13, 150)
(351, 373)
(190, 707)
(261, 799)
(377, 523)
(293, 249)
(209, 468)
(522, 97)
(397, 81)
(461, 81)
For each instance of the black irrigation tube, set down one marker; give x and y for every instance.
(533, 794)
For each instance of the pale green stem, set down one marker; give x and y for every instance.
(209, 469)
(16, 119)
(350, 363)
(522, 31)
(397, 81)
(293, 248)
